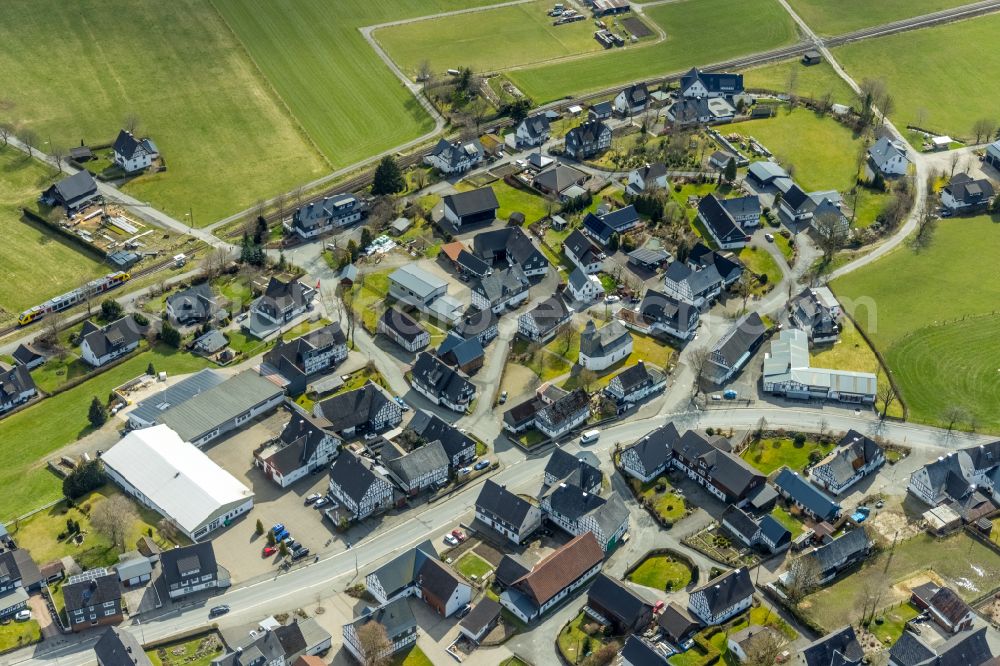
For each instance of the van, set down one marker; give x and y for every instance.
(590, 436)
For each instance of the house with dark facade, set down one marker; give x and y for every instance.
(315, 352)
(367, 409)
(541, 323)
(588, 139)
(440, 384)
(93, 598)
(303, 446)
(511, 515)
(362, 487)
(402, 329)
(855, 457)
(329, 213)
(722, 597)
(189, 569)
(626, 611)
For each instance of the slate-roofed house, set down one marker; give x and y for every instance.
(773, 535)
(638, 652)
(664, 313)
(360, 486)
(532, 131)
(466, 355)
(566, 413)
(627, 611)
(315, 352)
(402, 329)
(77, 191)
(727, 265)
(191, 569)
(721, 224)
(477, 206)
(964, 194)
(334, 212)
(542, 322)
(697, 286)
(13, 595)
(560, 180)
(118, 647)
(600, 348)
(807, 497)
(677, 624)
(648, 177)
(511, 515)
(817, 312)
(834, 557)
(510, 569)
(482, 325)
(459, 447)
(442, 385)
(967, 648)
(283, 301)
(735, 349)
(193, 305)
(581, 472)
(416, 470)
(651, 454)
(696, 83)
(588, 139)
(301, 640)
(739, 524)
(690, 111)
(584, 254)
(710, 462)
(636, 383)
(992, 157)
(481, 620)
(367, 409)
(577, 511)
(632, 100)
(93, 599)
(400, 627)
(886, 157)
(855, 457)
(583, 288)
(722, 597)
(133, 154)
(419, 572)
(840, 648)
(28, 356)
(455, 157)
(303, 446)
(600, 110)
(595, 227)
(510, 246)
(16, 387)
(99, 346)
(502, 289)
(521, 416)
(554, 578)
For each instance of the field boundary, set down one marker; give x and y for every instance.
(883, 364)
(78, 242)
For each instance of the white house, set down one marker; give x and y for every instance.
(600, 348)
(649, 177)
(398, 621)
(632, 100)
(506, 288)
(577, 511)
(455, 157)
(361, 488)
(532, 131)
(855, 457)
(330, 213)
(440, 384)
(702, 84)
(663, 313)
(16, 387)
(636, 383)
(190, 569)
(100, 346)
(722, 597)
(888, 158)
(584, 254)
(418, 572)
(133, 154)
(511, 515)
(403, 330)
(303, 447)
(584, 288)
(649, 457)
(543, 321)
(558, 418)
(963, 193)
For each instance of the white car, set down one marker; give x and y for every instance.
(450, 540)
(23, 615)
(612, 299)
(769, 238)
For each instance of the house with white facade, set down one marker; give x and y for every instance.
(954, 476)
(101, 345)
(449, 158)
(417, 470)
(887, 157)
(855, 457)
(722, 597)
(696, 83)
(329, 213)
(418, 572)
(697, 285)
(133, 154)
(585, 255)
(361, 486)
(964, 194)
(316, 352)
(541, 323)
(397, 620)
(500, 290)
(511, 515)
(16, 387)
(659, 312)
(600, 348)
(465, 209)
(632, 100)
(579, 511)
(735, 348)
(507, 247)
(648, 177)
(303, 447)
(651, 454)
(584, 288)
(429, 428)
(440, 384)
(369, 409)
(280, 303)
(817, 312)
(403, 329)
(636, 383)
(532, 131)
(559, 417)
(721, 224)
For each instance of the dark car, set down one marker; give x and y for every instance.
(299, 554)
(463, 611)
(216, 611)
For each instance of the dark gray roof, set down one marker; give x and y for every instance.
(503, 284)
(637, 376)
(463, 351)
(77, 186)
(472, 263)
(742, 206)
(637, 651)
(482, 615)
(549, 313)
(841, 648)
(719, 220)
(264, 649)
(431, 427)
(279, 295)
(968, 191)
(402, 570)
(586, 133)
(596, 227)
(561, 464)
(725, 470)
(472, 202)
(677, 622)
(735, 519)
(611, 337)
(523, 412)
(353, 408)
(578, 279)
(964, 649)
(612, 596)
(621, 218)
(951, 606)
(698, 281)
(726, 265)
(455, 153)
(477, 323)
(197, 302)
(14, 381)
(854, 450)
(648, 256)
(301, 437)
(25, 354)
(909, 650)
(884, 150)
(536, 125)
(564, 408)
(496, 500)
(417, 463)
(655, 447)
(806, 494)
(92, 592)
(438, 578)
(403, 324)
(558, 177)
(117, 647)
(841, 551)
(395, 616)
(798, 199)
(572, 501)
(653, 171)
(175, 561)
(718, 82)
(637, 94)
(774, 531)
(510, 569)
(582, 248)
(354, 476)
(336, 207)
(117, 335)
(740, 341)
(726, 590)
(430, 372)
(659, 307)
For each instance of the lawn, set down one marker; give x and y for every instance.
(227, 139)
(574, 643)
(471, 565)
(940, 350)
(828, 18)
(312, 52)
(760, 262)
(413, 657)
(39, 533)
(811, 81)
(369, 297)
(35, 263)
(489, 40)
(822, 152)
(788, 521)
(511, 199)
(668, 504)
(556, 358)
(770, 454)
(750, 26)
(963, 563)
(662, 572)
(717, 638)
(197, 651)
(15, 634)
(26, 480)
(918, 70)
(785, 245)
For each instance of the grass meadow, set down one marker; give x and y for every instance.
(812, 81)
(837, 18)
(748, 25)
(919, 70)
(937, 329)
(485, 41)
(35, 263)
(226, 137)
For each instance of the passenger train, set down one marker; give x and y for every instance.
(75, 297)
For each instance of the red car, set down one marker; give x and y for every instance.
(459, 534)
(268, 551)
(658, 606)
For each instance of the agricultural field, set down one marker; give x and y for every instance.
(827, 18)
(936, 334)
(26, 480)
(226, 137)
(918, 71)
(749, 26)
(35, 263)
(812, 81)
(488, 40)
(334, 84)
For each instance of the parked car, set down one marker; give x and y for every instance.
(463, 611)
(268, 551)
(482, 464)
(23, 615)
(369, 436)
(658, 606)
(450, 540)
(322, 501)
(277, 527)
(312, 498)
(402, 404)
(216, 611)
(464, 471)
(282, 535)
(290, 543)
(716, 396)
(769, 238)
(459, 534)
(729, 395)
(612, 299)
(503, 397)
(299, 554)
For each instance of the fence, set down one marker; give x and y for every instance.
(65, 233)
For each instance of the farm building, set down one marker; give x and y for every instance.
(73, 192)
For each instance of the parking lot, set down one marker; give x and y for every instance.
(238, 547)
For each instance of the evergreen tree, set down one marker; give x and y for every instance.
(111, 310)
(98, 414)
(151, 370)
(366, 237)
(388, 178)
(731, 170)
(170, 335)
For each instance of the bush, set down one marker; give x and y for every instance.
(98, 413)
(140, 319)
(799, 440)
(84, 479)
(709, 431)
(170, 335)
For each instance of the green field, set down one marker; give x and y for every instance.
(334, 83)
(938, 333)
(662, 572)
(226, 137)
(748, 25)
(487, 40)
(919, 70)
(771, 454)
(470, 565)
(837, 18)
(28, 437)
(35, 263)
(812, 81)
(14, 634)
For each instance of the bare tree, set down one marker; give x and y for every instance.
(58, 153)
(983, 128)
(279, 203)
(869, 598)
(956, 157)
(803, 577)
(30, 140)
(886, 394)
(216, 261)
(747, 283)
(699, 362)
(887, 106)
(871, 93)
(566, 335)
(764, 648)
(793, 85)
(831, 233)
(6, 131)
(424, 72)
(587, 379)
(347, 298)
(419, 178)
(921, 117)
(955, 414)
(926, 225)
(113, 518)
(258, 211)
(479, 107)
(374, 644)
(130, 123)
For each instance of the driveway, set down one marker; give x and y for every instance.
(40, 613)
